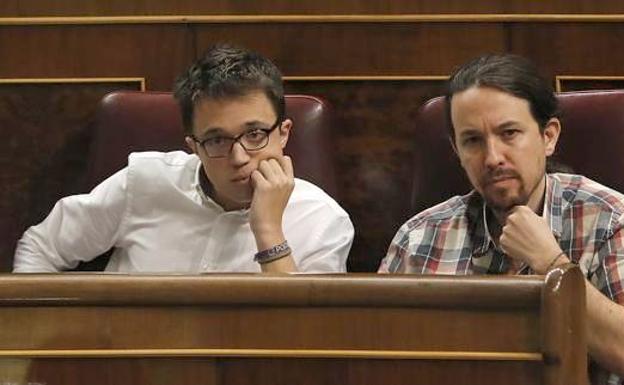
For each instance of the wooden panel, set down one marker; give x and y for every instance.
(360, 49)
(96, 51)
(374, 372)
(571, 48)
(206, 371)
(373, 133)
(460, 330)
(163, 371)
(121, 7)
(354, 328)
(44, 149)
(584, 83)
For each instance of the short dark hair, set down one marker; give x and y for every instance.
(226, 71)
(509, 73)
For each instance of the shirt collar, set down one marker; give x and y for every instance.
(197, 184)
(477, 225)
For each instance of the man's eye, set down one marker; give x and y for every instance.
(255, 135)
(470, 141)
(510, 133)
(215, 141)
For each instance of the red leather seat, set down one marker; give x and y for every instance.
(128, 121)
(591, 143)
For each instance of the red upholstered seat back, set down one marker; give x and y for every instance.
(128, 121)
(591, 143)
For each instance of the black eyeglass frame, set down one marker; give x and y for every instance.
(237, 138)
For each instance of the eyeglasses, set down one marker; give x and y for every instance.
(253, 140)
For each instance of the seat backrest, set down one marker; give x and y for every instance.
(591, 143)
(128, 121)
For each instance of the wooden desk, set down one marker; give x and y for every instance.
(250, 329)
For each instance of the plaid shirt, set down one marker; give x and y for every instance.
(585, 217)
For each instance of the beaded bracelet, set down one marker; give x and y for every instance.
(273, 254)
(551, 264)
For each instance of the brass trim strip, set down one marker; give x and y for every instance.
(72, 80)
(281, 353)
(353, 18)
(364, 78)
(559, 78)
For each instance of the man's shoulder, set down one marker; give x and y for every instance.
(159, 169)
(308, 194)
(452, 209)
(580, 190)
(164, 159)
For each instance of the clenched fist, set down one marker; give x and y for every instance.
(526, 237)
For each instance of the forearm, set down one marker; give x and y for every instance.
(605, 337)
(605, 331)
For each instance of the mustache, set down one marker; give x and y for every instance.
(498, 174)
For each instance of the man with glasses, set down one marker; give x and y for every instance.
(233, 205)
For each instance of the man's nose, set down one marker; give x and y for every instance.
(493, 153)
(238, 154)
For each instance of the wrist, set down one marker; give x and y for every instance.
(268, 239)
(554, 260)
(272, 254)
(562, 260)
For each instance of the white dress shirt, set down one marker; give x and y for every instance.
(158, 219)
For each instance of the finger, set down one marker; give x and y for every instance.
(278, 174)
(287, 166)
(503, 242)
(513, 210)
(258, 180)
(267, 169)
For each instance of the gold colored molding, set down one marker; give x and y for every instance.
(275, 353)
(560, 78)
(357, 18)
(334, 78)
(141, 81)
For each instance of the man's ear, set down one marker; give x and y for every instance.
(284, 132)
(551, 135)
(191, 144)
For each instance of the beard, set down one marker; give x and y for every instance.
(504, 198)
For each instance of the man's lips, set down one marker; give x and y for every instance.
(240, 179)
(494, 179)
(501, 179)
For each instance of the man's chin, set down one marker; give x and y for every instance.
(506, 203)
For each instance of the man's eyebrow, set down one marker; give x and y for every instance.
(211, 131)
(507, 124)
(256, 123)
(502, 126)
(469, 132)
